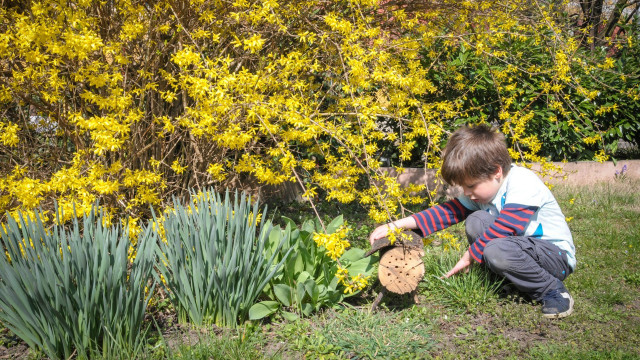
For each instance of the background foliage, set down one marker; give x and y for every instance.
(131, 102)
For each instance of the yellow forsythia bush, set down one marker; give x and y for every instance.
(131, 102)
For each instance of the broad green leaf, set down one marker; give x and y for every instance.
(263, 309)
(308, 227)
(273, 240)
(284, 294)
(312, 289)
(363, 266)
(288, 221)
(352, 255)
(335, 224)
(307, 309)
(303, 276)
(289, 316)
(300, 292)
(299, 265)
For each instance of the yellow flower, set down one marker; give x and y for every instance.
(177, 167)
(335, 244)
(600, 156)
(9, 134)
(449, 241)
(216, 171)
(356, 283)
(342, 274)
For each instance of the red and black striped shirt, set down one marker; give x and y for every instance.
(511, 221)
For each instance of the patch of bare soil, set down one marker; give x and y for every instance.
(632, 309)
(477, 327)
(11, 347)
(18, 351)
(483, 325)
(188, 335)
(277, 349)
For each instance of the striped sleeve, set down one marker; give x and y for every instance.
(441, 216)
(512, 221)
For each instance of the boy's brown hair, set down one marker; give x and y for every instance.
(474, 153)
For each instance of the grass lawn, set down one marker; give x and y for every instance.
(470, 316)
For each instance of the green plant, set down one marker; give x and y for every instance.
(621, 174)
(309, 279)
(468, 291)
(359, 236)
(632, 278)
(358, 334)
(212, 260)
(231, 344)
(74, 291)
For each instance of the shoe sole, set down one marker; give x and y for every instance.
(562, 314)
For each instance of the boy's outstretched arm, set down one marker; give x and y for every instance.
(463, 264)
(428, 221)
(382, 230)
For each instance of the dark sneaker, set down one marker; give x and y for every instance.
(558, 303)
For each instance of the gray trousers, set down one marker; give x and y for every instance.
(533, 265)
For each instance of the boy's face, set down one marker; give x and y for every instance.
(484, 190)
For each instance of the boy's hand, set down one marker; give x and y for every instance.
(383, 230)
(380, 232)
(463, 264)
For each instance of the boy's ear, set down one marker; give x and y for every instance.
(498, 173)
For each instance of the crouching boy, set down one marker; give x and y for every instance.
(513, 223)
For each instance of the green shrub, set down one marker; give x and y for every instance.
(212, 261)
(309, 279)
(69, 291)
(570, 119)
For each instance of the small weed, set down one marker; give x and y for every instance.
(359, 235)
(621, 174)
(466, 291)
(612, 298)
(359, 334)
(8, 338)
(571, 352)
(231, 344)
(632, 278)
(222, 349)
